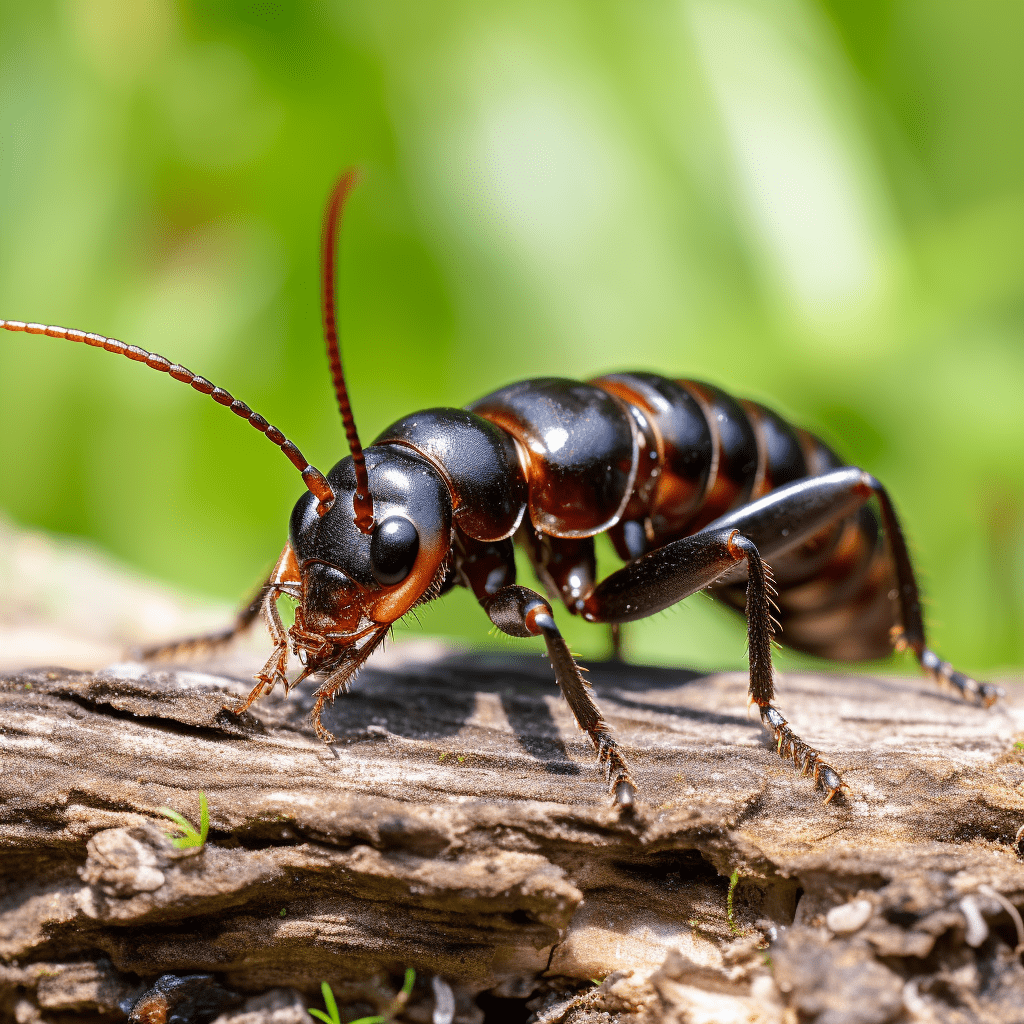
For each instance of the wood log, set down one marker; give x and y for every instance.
(460, 827)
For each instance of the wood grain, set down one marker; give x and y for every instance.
(460, 826)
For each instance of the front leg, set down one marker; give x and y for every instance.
(282, 580)
(285, 579)
(520, 612)
(669, 574)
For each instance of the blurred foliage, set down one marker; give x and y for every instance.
(816, 204)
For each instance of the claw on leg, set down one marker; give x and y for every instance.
(804, 756)
(275, 671)
(324, 735)
(985, 694)
(943, 673)
(340, 673)
(609, 757)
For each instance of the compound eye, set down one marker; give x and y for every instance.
(393, 549)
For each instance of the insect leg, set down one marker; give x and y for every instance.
(791, 514)
(340, 677)
(615, 635)
(521, 612)
(912, 632)
(671, 573)
(282, 580)
(208, 641)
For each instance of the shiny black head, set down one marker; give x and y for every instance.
(352, 581)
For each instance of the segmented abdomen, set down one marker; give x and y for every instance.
(648, 460)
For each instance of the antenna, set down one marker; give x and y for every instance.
(362, 500)
(314, 479)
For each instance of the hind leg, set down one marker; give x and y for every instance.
(781, 520)
(791, 514)
(911, 633)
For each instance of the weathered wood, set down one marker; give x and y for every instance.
(460, 826)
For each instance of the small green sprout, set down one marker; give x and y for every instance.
(332, 1017)
(1019, 745)
(284, 912)
(332, 1007)
(734, 880)
(191, 837)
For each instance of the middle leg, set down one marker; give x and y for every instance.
(521, 612)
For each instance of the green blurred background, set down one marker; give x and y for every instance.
(816, 203)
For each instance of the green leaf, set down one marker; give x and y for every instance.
(332, 1006)
(183, 823)
(191, 836)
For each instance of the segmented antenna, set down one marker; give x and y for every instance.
(362, 501)
(314, 479)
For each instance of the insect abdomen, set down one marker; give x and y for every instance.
(834, 590)
(649, 459)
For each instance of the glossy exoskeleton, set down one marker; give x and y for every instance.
(697, 491)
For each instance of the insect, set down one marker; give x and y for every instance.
(697, 491)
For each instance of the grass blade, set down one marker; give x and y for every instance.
(204, 818)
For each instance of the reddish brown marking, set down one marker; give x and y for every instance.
(649, 439)
(391, 603)
(723, 490)
(531, 625)
(674, 492)
(362, 501)
(762, 484)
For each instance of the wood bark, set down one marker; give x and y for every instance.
(460, 827)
